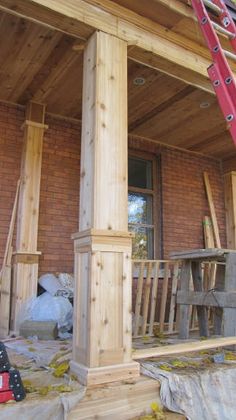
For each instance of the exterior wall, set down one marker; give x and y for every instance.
(59, 198)
(184, 200)
(229, 165)
(11, 139)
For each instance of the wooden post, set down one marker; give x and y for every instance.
(25, 273)
(230, 207)
(102, 313)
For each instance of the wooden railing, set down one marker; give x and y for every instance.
(154, 305)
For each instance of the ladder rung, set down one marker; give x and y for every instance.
(224, 31)
(229, 55)
(212, 6)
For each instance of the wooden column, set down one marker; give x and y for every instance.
(25, 273)
(230, 207)
(102, 312)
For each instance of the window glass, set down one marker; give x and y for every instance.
(140, 173)
(142, 244)
(140, 208)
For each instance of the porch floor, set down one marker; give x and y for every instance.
(37, 360)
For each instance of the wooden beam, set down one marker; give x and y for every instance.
(25, 279)
(102, 303)
(212, 298)
(178, 7)
(180, 53)
(183, 348)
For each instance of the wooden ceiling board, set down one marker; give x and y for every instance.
(27, 50)
(39, 63)
(66, 99)
(179, 109)
(144, 99)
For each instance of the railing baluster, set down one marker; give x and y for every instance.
(164, 297)
(154, 297)
(138, 299)
(146, 297)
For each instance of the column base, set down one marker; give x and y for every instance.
(101, 375)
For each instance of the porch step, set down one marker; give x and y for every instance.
(120, 400)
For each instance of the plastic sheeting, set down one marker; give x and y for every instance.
(205, 395)
(54, 405)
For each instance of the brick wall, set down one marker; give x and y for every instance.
(183, 196)
(59, 198)
(11, 119)
(229, 164)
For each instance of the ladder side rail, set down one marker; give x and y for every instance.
(215, 48)
(227, 21)
(224, 99)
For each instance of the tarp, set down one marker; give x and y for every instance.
(208, 394)
(32, 358)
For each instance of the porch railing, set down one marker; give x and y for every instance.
(154, 296)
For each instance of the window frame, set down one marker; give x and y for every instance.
(155, 193)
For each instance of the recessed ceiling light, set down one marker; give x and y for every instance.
(139, 81)
(205, 105)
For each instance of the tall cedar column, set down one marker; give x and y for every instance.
(102, 313)
(25, 273)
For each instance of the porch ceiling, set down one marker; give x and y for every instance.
(45, 65)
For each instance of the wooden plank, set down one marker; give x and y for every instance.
(164, 297)
(198, 287)
(173, 297)
(184, 315)
(183, 348)
(212, 209)
(138, 302)
(146, 298)
(201, 254)
(208, 232)
(212, 298)
(154, 297)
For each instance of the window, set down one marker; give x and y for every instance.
(142, 206)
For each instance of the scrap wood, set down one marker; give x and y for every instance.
(212, 209)
(5, 274)
(8, 248)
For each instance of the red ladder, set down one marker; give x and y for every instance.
(219, 71)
